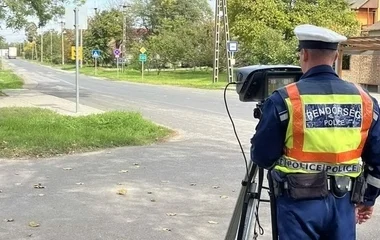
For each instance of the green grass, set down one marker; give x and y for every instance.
(9, 80)
(35, 132)
(180, 77)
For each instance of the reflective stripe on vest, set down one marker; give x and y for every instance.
(335, 139)
(291, 166)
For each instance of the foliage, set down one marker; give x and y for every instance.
(105, 33)
(180, 33)
(264, 28)
(165, 21)
(17, 12)
(3, 42)
(31, 31)
(52, 47)
(154, 13)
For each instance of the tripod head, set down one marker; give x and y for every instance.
(257, 82)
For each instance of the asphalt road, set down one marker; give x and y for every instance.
(195, 176)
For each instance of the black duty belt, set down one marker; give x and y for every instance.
(339, 186)
(331, 180)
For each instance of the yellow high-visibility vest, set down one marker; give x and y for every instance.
(325, 132)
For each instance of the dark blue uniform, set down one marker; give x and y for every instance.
(297, 219)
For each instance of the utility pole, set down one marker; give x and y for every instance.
(124, 36)
(76, 22)
(96, 7)
(63, 42)
(42, 45)
(51, 45)
(221, 12)
(33, 46)
(124, 48)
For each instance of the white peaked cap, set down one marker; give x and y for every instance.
(313, 37)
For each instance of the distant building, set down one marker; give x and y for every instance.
(374, 30)
(364, 67)
(4, 52)
(367, 12)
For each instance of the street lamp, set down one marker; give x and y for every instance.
(63, 42)
(51, 45)
(124, 32)
(96, 8)
(1, 56)
(42, 44)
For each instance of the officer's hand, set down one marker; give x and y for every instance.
(363, 213)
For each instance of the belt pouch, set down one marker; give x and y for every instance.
(304, 186)
(340, 185)
(358, 189)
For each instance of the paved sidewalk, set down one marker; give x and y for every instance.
(28, 97)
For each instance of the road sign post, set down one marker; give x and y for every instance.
(96, 54)
(73, 21)
(142, 58)
(77, 57)
(96, 63)
(116, 52)
(232, 48)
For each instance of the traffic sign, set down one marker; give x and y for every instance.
(70, 17)
(73, 53)
(142, 57)
(116, 52)
(142, 50)
(95, 53)
(232, 46)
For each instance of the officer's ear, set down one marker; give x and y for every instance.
(336, 56)
(304, 55)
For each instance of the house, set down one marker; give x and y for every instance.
(374, 30)
(363, 66)
(367, 11)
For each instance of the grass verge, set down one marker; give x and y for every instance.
(180, 77)
(35, 132)
(9, 80)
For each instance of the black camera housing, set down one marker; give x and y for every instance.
(255, 83)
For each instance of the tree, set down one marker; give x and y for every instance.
(17, 12)
(264, 28)
(152, 14)
(105, 32)
(199, 47)
(3, 42)
(31, 31)
(179, 31)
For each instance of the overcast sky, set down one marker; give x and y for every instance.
(19, 36)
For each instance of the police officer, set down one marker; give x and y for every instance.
(313, 137)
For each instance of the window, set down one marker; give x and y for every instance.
(346, 62)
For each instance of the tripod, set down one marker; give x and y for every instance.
(245, 217)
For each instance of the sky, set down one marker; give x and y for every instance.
(12, 36)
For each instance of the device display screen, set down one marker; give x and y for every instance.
(278, 82)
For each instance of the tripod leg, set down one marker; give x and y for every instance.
(243, 219)
(250, 219)
(273, 207)
(235, 220)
